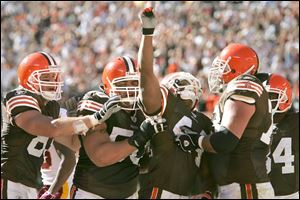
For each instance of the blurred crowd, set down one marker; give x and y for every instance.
(83, 36)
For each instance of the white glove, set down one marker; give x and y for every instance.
(189, 140)
(148, 21)
(109, 107)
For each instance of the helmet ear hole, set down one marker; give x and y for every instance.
(233, 71)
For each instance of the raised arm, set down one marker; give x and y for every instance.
(151, 95)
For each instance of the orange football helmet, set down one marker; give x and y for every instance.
(280, 86)
(233, 61)
(121, 71)
(33, 67)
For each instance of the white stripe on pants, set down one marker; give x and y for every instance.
(290, 196)
(233, 191)
(82, 194)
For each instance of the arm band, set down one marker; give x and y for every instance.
(148, 31)
(93, 120)
(223, 141)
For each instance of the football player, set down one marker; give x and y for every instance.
(283, 161)
(242, 126)
(29, 128)
(108, 160)
(56, 157)
(170, 172)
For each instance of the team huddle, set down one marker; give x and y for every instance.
(138, 137)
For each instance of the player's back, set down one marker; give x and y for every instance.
(21, 152)
(284, 155)
(118, 180)
(246, 163)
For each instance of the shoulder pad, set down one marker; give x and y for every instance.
(91, 102)
(245, 86)
(165, 93)
(95, 95)
(20, 100)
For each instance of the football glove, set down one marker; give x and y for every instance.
(71, 105)
(110, 106)
(148, 21)
(52, 109)
(188, 139)
(146, 131)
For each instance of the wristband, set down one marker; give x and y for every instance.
(80, 127)
(93, 120)
(148, 31)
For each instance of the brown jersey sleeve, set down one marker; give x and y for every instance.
(91, 102)
(20, 100)
(245, 88)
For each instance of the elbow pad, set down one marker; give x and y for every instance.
(223, 141)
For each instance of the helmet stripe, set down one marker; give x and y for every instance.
(129, 64)
(50, 59)
(53, 59)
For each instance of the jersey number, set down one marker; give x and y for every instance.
(283, 154)
(116, 135)
(120, 132)
(37, 146)
(266, 137)
(186, 121)
(47, 160)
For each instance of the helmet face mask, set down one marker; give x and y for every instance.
(49, 89)
(277, 97)
(184, 85)
(128, 89)
(218, 69)
(280, 93)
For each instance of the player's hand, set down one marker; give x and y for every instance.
(71, 106)
(187, 140)
(146, 131)
(52, 109)
(42, 191)
(110, 106)
(47, 195)
(148, 21)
